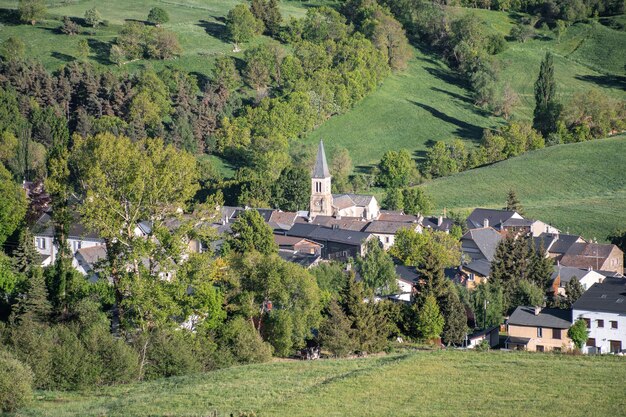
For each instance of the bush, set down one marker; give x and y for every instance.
(16, 381)
(170, 353)
(32, 344)
(244, 344)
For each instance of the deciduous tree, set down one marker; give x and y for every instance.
(578, 333)
(430, 322)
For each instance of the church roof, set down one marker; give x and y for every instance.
(320, 170)
(342, 201)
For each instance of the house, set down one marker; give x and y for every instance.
(473, 273)
(509, 221)
(539, 329)
(562, 275)
(481, 243)
(603, 307)
(79, 237)
(439, 224)
(406, 277)
(305, 260)
(596, 256)
(556, 244)
(87, 261)
(386, 231)
(336, 243)
(298, 244)
(324, 203)
(491, 335)
(282, 220)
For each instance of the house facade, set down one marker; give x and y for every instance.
(539, 330)
(603, 307)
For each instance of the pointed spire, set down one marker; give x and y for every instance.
(321, 166)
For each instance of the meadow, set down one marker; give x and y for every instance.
(579, 188)
(443, 383)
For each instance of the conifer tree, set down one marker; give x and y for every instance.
(34, 305)
(513, 203)
(573, 290)
(455, 317)
(540, 268)
(336, 334)
(25, 255)
(547, 107)
(429, 319)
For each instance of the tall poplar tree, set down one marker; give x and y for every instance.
(547, 107)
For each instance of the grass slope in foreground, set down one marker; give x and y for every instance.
(445, 383)
(580, 188)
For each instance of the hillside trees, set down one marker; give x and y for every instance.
(242, 26)
(31, 10)
(268, 13)
(12, 204)
(158, 16)
(93, 17)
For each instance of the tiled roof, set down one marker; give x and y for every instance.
(587, 255)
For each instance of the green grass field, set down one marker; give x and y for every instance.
(580, 188)
(446, 383)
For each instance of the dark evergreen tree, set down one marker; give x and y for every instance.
(573, 291)
(335, 333)
(513, 203)
(547, 107)
(504, 268)
(540, 268)
(455, 317)
(34, 305)
(25, 255)
(291, 191)
(273, 18)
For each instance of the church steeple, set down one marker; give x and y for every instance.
(321, 195)
(321, 166)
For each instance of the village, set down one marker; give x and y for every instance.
(337, 228)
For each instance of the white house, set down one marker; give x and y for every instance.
(79, 237)
(603, 307)
(562, 275)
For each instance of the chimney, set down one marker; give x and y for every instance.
(485, 222)
(537, 310)
(440, 221)
(335, 226)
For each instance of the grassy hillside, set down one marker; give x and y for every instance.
(580, 188)
(429, 102)
(415, 384)
(198, 24)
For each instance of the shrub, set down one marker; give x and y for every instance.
(241, 340)
(16, 381)
(170, 353)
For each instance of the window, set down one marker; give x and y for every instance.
(539, 331)
(40, 242)
(600, 323)
(556, 333)
(386, 239)
(588, 323)
(540, 348)
(616, 346)
(591, 342)
(613, 324)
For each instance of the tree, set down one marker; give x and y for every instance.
(439, 161)
(540, 268)
(12, 204)
(507, 102)
(573, 290)
(69, 27)
(430, 322)
(512, 202)
(336, 334)
(560, 27)
(33, 305)
(93, 17)
(272, 18)
(415, 201)
(291, 190)
(31, 10)
(369, 322)
(377, 269)
(547, 108)
(396, 169)
(578, 333)
(25, 256)
(13, 49)
(528, 294)
(250, 232)
(241, 24)
(394, 200)
(341, 168)
(387, 34)
(455, 317)
(83, 49)
(158, 16)
(618, 238)
(522, 32)
(487, 302)
(436, 250)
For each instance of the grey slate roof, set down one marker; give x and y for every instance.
(555, 243)
(609, 296)
(567, 273)
(305, 260)
(342, 201)
(548, 317)
(486, 239)
(407, 273)
(384, 227)
(433, 223)
(587, 255)
(495, 217)
(320, 170)
(45, 227)
(317, 233)
(479, 266)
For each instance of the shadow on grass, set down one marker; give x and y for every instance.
(457, 96)
(62, 57)
(9, 17)
(464, 130)
(448, 76)
(609, 81)
(101, 50)
(215, 29)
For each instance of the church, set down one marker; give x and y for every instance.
(324, 203)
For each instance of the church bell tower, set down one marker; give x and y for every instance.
(321, 195)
